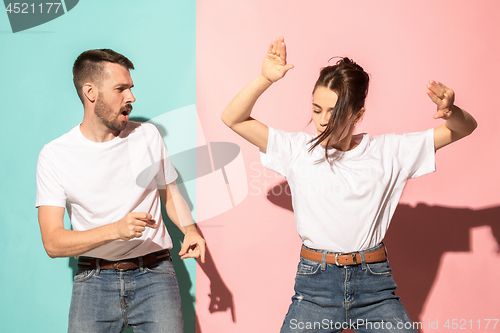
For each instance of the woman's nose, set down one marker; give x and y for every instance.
(325, 118)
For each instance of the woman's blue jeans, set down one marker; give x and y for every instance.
(146, 299)
(331, 298)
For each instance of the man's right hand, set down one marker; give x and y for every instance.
(134, 224)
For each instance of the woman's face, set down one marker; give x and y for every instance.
(324, 101)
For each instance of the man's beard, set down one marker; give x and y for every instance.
(104, 112)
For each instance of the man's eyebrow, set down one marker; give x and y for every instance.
(124, 85)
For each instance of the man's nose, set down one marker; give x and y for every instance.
(130, 98)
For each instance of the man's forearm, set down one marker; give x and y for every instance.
(68, 243)
(59, 242)
(179, 213)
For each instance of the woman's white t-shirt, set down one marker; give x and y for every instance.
(347, 206)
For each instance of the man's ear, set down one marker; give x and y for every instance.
(90, 92)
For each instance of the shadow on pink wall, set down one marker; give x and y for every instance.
(417, 240)
(221, 297)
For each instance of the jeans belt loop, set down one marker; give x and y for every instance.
(323, 261)
(363, 260)
(97, 267)
(141, 265)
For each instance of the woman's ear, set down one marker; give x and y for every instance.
(360, 115)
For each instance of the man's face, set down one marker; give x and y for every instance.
(113, 104)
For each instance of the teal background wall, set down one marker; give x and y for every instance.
(38, 103)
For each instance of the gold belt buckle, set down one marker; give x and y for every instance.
(117, 266)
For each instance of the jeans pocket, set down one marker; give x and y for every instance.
(164, 267)
(379, 268)
(308, 267)
(84, 275)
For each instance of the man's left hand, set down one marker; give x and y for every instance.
(193, 245)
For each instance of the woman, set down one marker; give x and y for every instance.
(345, 189)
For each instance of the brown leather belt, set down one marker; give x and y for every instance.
(345, 259)
(127, 264)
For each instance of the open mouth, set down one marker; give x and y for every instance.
(126, 112)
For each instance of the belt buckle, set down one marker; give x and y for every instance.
(116, 266)
(354, 261)
(337, 260)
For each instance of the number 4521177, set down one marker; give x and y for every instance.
(31, 8)
(462, 324)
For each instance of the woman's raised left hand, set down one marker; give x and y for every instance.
(443, 97)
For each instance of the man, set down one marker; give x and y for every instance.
(110, 174)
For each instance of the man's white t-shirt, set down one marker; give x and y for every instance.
(100, 183)
(348, 206)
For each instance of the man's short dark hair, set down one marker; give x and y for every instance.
(89, 66)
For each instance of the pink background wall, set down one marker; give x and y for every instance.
(443, 242)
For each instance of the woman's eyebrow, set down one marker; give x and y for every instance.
(319, 107)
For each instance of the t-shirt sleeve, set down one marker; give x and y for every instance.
(280, 151)
(168, 168)
(416, 153)
(167, 173)
(49, 191)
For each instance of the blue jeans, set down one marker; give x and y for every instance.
(330, 298)
(146, 299)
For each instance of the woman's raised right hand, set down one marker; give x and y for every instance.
(275, 66)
